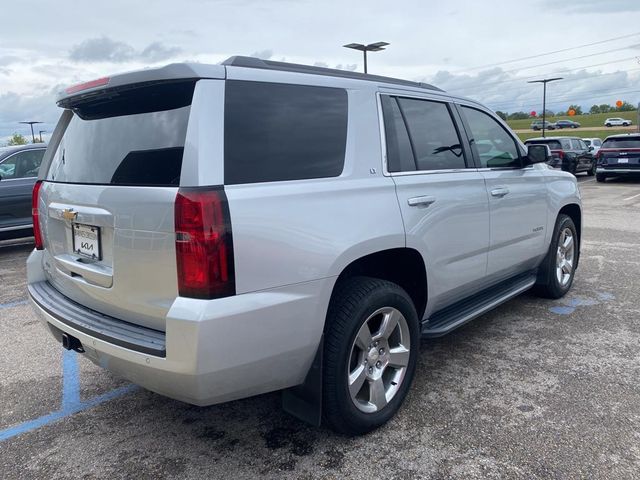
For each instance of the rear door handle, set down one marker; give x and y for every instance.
(424, 201)
(499, 191)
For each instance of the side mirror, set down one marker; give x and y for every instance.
(537, 154)
(590, 148)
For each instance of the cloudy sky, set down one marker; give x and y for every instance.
(463, 46)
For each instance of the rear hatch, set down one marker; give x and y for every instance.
(620, 152)
(107, 200)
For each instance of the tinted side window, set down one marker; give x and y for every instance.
(22, 164)
(433, 134)
(399, 153)
(494, 146)
(566, 144)
(575, 144)
(276, 132)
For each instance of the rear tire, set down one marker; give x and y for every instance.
(371, 348)
(601, 177)
(559, 266)
(607, 125)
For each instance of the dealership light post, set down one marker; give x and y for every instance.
(544, 82)
(372, 47)
(41, 132)
(33, 136)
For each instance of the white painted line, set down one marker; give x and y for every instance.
(632, 197)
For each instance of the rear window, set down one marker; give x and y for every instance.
(134, 137)
(275, 132)
(626, 142)
(553, 144)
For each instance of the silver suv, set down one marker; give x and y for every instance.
(215, 232)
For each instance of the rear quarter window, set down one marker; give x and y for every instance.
(276, 132)
(629, 142)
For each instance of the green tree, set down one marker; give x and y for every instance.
(17, 139)
(577, 108)
(518, 116)
(502, 115)
(594, 109)
(605, 108)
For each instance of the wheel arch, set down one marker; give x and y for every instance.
(403, 266)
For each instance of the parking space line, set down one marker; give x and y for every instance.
(631, 197)
(71, 402)
(13, 304)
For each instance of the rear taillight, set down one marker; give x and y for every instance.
(37, 233)
(204, 245)
(557, 154)
(99, 82)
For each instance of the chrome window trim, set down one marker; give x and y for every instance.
(383, 138)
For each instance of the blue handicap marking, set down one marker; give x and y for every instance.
(571, 304)
(71, 402)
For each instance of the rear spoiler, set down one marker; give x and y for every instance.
(172, 72)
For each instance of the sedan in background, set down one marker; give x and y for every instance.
(567, 124)
(18, 172)
(570, 154)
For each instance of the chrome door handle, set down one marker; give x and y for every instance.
(499, 191)
(425, 201)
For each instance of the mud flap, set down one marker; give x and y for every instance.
(304, 401)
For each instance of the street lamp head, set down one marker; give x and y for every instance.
(372, 47)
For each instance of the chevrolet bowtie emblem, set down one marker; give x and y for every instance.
(69, 214)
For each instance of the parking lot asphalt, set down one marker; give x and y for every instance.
(534, 389)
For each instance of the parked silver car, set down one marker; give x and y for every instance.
(215, 232)
(18, 172)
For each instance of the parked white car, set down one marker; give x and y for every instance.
(617, 122)
(596, 143)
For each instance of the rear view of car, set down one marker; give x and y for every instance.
(618, 156)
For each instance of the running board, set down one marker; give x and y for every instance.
(450, 318)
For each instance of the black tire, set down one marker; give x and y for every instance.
(601, 177)
(607, 125)
(592, 171)
(548, 285)
(354, 301)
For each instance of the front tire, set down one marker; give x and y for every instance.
(558, 268)
(592, 171)
(601, 177)
(371, 349)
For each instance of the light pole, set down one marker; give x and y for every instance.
(544, 82)
(41, 132)
(33, 137)
(372, 47)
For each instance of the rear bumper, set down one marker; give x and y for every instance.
(217, 350)
(619, 171)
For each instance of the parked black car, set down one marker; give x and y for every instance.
(567, 124)
(570, 154)
(18, 171)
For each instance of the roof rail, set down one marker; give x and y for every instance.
(252, 62)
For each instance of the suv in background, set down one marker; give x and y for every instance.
(537, 125)
(570, 154)
(560, 124)
(617, 122)
(18, 172)
(319, 224)
(619, 156)
(595, 143)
